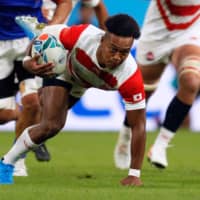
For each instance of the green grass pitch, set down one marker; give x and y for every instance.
(82, 168)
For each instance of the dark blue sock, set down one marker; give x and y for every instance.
(176, 113)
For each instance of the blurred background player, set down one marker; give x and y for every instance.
(98, 59)
(82, 12)
(170, 34)
(86, 15)
(14, 42)
(99, 10)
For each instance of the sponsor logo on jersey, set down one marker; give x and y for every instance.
(137, 97)
(150, 56)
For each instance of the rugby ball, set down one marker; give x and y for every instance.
(50, 50)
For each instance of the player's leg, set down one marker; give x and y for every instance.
(9, 110)
(52, 121)
(151, 75)
(186, 59)
(30, 109)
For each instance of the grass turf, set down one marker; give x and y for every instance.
(82, 168)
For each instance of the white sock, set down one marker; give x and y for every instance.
(124, 134)
(22, 145)
(164, 137)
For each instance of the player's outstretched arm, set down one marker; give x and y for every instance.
(137, 122)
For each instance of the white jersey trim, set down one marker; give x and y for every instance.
(135, 106)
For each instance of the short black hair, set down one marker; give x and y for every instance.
(123, 25)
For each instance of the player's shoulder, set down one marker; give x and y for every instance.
(128, 67)
(126, 70)
(86, 29)
(130, 63)
(91, 35)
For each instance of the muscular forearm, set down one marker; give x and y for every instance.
(137, 146)
(137, 153)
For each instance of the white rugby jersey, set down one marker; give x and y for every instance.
(174, 16)
(82, 41)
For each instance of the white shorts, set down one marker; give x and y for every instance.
(8, 103)
(157, 43)
(11, 50)
(12, 74)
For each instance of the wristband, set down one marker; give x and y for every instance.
(26, 58)
(134, 172)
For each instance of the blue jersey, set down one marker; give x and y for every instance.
(9, 9)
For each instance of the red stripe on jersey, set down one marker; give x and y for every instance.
(170, 25)
(73, 74)
(69, 36)
(182, 10)
(86, 61)
(133, 87)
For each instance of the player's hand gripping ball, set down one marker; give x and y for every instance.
(50, 50)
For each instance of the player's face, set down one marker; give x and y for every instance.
(114, 50)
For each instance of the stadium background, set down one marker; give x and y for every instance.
(100, 110)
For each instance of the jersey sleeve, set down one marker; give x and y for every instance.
(132, 92)
(70, 35)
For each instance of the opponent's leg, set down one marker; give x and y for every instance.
(187, 63)
(10, 111)
(52, 121)
(122, 156)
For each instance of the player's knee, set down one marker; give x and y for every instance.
(189, 74)
(189, 82)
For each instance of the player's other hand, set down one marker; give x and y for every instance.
(43, 70)
(131, 181)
